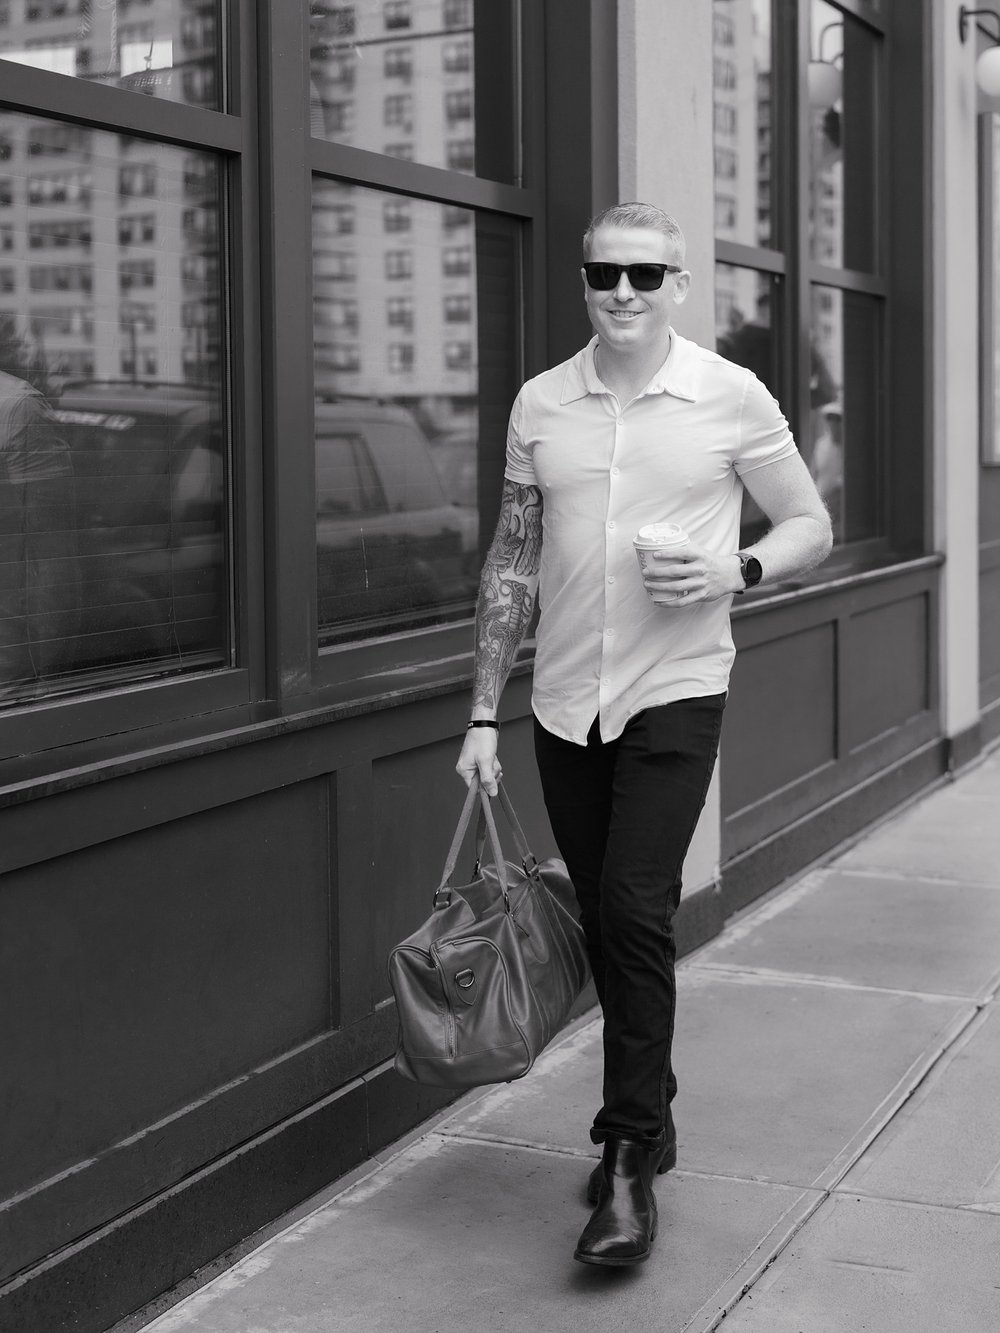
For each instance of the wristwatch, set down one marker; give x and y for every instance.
(751, 570)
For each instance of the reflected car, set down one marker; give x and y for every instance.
(393, 551)
(149, 473)
(392, 547)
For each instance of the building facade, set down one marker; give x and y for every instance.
(270, 277)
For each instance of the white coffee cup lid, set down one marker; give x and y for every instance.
(661, 534)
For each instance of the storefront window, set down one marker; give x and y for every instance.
(844, 410)
(170, 51)
(843, 158)
(113, 474)
(744, 327)
(404, 405)
(812, 261)
(403, 80)
(741, 62)
(745, 332)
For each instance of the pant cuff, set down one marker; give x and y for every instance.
(650, 1141)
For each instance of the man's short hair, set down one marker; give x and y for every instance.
(636, 215)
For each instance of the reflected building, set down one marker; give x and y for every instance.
(395, 291)
(741, 115)
(109, 244)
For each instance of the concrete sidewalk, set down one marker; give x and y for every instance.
(838, 1051)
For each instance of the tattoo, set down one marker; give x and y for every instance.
(507, 590)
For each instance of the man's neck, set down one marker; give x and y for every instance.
(627, 374)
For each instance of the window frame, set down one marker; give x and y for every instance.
(355, 670)
(280, 670)
(172, 705)
(898, 275)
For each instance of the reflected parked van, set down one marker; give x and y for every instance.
(150, 472)
(392, 549)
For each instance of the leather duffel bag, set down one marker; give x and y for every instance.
(490, 977)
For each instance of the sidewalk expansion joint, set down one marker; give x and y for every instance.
(923, 876)
(736, 972)
(935, 1205)
(500, 1141)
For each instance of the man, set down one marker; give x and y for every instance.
(641, 426)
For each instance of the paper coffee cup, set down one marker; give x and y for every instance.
(663, 537)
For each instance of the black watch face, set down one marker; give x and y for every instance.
(752, 571)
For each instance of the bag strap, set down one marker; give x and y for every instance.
(528, 860)
(443, 890)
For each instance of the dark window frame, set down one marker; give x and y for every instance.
(37, 736)
(353, 670)
(897, 280)
(279, 668)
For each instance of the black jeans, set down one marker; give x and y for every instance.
(623, 815)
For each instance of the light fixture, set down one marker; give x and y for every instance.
(988, 64)
(825, 79)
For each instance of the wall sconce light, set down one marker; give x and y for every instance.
(988, 64)
(825, 78)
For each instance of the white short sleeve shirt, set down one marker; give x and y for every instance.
(675, 454)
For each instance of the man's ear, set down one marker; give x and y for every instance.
(682, 283)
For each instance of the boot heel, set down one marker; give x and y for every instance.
(669, 1160)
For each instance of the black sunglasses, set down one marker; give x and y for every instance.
(642, 277)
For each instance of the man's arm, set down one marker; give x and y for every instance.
(800, 536)
(507, 592)
(799, 539)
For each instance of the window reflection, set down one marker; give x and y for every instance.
(842, 97)
(741, 56)
(405, 406)
(112, 465)
(745, 332)
(844, 418)
(398, 77)
(162, 50)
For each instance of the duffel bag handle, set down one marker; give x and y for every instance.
(442, 894)
(523, 850)
(528, 859)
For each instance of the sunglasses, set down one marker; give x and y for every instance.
(642, 277)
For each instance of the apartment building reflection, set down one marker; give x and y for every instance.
(109, 244)
(395, 291)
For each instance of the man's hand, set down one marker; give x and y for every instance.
(692, 575)
(479, 755)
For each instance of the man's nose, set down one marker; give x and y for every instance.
(624, 291)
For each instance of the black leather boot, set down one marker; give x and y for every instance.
(622, 1228)
(666, 1161)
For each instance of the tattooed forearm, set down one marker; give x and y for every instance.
(507, 590)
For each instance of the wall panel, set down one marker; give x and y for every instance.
(886, 669)
(989, 623)
(144, 973)
(827, 692)
(780, 721)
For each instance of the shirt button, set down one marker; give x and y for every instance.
(615, 471)
(609, 633)
(611, 578)
(611, 525)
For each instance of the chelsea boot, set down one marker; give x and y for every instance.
(622, 1227)
(665, 1162)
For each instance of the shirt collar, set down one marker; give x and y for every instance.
(677, 376)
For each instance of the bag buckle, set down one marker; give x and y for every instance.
(442, 899)
(465, 979)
